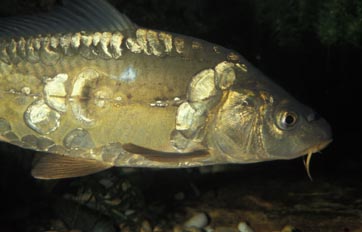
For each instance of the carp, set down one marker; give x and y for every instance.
(92, 90)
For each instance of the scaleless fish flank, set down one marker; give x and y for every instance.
(92, 90)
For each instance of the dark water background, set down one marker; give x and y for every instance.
(285, 40)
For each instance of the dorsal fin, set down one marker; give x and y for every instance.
(72, 16)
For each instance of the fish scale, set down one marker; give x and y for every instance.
(56, 91)
(121, 95)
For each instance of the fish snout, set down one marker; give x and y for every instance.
(323, 128)
(312, 116)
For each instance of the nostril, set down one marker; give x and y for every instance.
(313, 116)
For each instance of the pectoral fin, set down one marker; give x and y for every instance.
(161, 156)
(51, 166)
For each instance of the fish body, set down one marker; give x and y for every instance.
(115, 96)
(122, 95)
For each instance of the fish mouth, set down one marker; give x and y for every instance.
(310, 151)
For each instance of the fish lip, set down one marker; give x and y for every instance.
(316, 148)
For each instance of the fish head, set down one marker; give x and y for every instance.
(292, 129)
(259, 121)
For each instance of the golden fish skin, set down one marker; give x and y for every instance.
(146, 98)
(85, 94)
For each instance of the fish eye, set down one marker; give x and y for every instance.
(288, 120)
